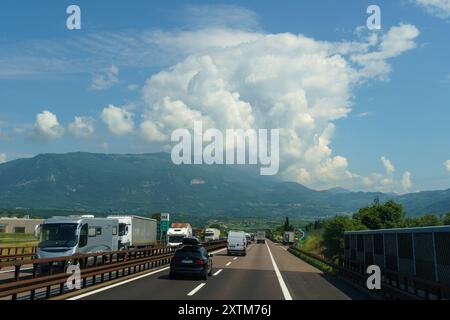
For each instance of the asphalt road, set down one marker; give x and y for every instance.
(268, 272)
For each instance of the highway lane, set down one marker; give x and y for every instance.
(306, 282)
(247, 278)
(252, 277)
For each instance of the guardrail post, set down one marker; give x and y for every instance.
(16, 272)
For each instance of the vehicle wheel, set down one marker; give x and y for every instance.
(205, 275)
(172, 276)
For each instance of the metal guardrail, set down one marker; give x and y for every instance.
(17, 253)
(105, 267)
(398, 285)
(394, 285)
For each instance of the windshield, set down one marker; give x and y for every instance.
(58, 235)
(176, 239)
(209, 234)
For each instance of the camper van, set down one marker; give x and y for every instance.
(67, 236)
(135, 231)
(177, 233)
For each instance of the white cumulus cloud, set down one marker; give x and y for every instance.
(447, 165)
(119, 121)
(82, 127)
(406, 181)
(438, 8)
(390, 169)
(105, 80)
(47, 127)
(295, 83)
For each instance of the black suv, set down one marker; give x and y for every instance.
(191, 259)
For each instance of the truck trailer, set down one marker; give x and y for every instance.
(135, 231)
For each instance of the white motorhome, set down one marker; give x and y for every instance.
(212, 234)
(177, 233)
(237, 243)
(135, 231)
(67, 236)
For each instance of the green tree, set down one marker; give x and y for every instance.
(446, 219)
(156, 216)
(333, 235)
(287, 225)
(422, 221)
(387, 215)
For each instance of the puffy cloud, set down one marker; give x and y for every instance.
(292, 82)
(390, 169)
(47, 127)
(406, 181)
(438, 8)
(447, 165)
(119, 121)
(82, 127)
(151, 132)
(2, 158)
(105, 80)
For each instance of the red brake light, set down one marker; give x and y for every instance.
(200, 261)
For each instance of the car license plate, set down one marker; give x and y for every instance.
(186, 261)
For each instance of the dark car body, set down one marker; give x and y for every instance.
(191, 260)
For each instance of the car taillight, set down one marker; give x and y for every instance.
(200, 261)
(175, 259)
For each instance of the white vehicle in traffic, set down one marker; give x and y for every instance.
(212, 234)
(237, 243)
(67, 236)
(177, 233)
(135, 231)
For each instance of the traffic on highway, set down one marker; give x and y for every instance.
(224, 159)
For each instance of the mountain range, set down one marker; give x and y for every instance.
(152, 183)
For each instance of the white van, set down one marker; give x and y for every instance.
(237, 243)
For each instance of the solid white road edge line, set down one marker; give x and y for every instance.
(87, 294)
(217, 273)
(196, 289)
(284, 289)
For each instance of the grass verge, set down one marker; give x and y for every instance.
(314, 262)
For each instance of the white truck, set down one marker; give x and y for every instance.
(212, 234)
(288, 238)
(177, 233)
(260, 237)
(135, 231)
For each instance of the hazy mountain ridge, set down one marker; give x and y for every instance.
(152, 183)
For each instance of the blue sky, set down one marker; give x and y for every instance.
(105, 74)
